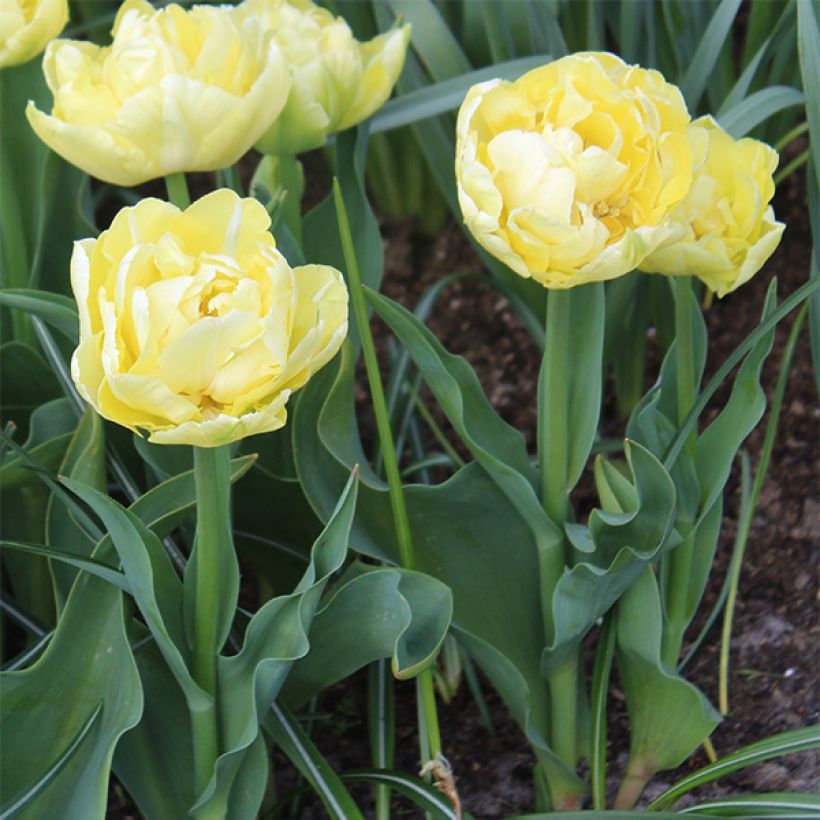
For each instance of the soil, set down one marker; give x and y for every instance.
(774, 648)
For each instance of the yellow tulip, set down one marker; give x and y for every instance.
(175, 91)
(193, 327)
(568, 175)
(730, 228)
(337, 81)
(27, 25)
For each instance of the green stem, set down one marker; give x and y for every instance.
(212, 511)
(553, 408)
(685, 360)
(177, 188)
(391, 462)
(553, 450)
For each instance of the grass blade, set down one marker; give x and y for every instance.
(302, 752)
(799, 740)
(777, 804)
(740, 119)
(424, 796)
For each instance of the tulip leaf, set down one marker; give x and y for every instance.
(705, 58)
(586, 343)
(90, 565)
(747, 114)
(85, 461)
(808, 49)
(720, 441)
(58, 740)
(621, 545)
(50, 428)
(446, 95)
(249, 681)
(497, 446)
(431, 38)
(57, 310)
(466, 533)
(373, 613)
(26, 382)
(668, 717)
(154, 584)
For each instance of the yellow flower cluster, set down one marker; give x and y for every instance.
(587, 168)
(193, 90)
(193, 327)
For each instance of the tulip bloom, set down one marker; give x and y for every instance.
(193, 327)
(176, 91)
(27, 25)
(337, 81)
(730, 228)
(569, 174)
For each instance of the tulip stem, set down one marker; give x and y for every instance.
(177, 188)
(213, 537)
(553, 448)
(388, 448)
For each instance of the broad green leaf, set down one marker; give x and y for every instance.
(155, 587)
(432, 38)
(447, 95)
(612, 552)
(27, 798)
(155, 761)
(85, 461)
(498, 447)
(59, 311)
(718, 444)
(91, 659)
(668, 717)
(249, 681)
(465, 522)
(797, 740)
(295, 742)
(585, 347)
(376, 613)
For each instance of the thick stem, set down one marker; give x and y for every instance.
(634, 782)
(553, 408)
(553, 449)
(388, 449)
(212, 511)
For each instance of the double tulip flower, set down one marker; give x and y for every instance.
(587, 168)
(193, 327)
(194, 90)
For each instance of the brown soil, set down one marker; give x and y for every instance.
(774, 660)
